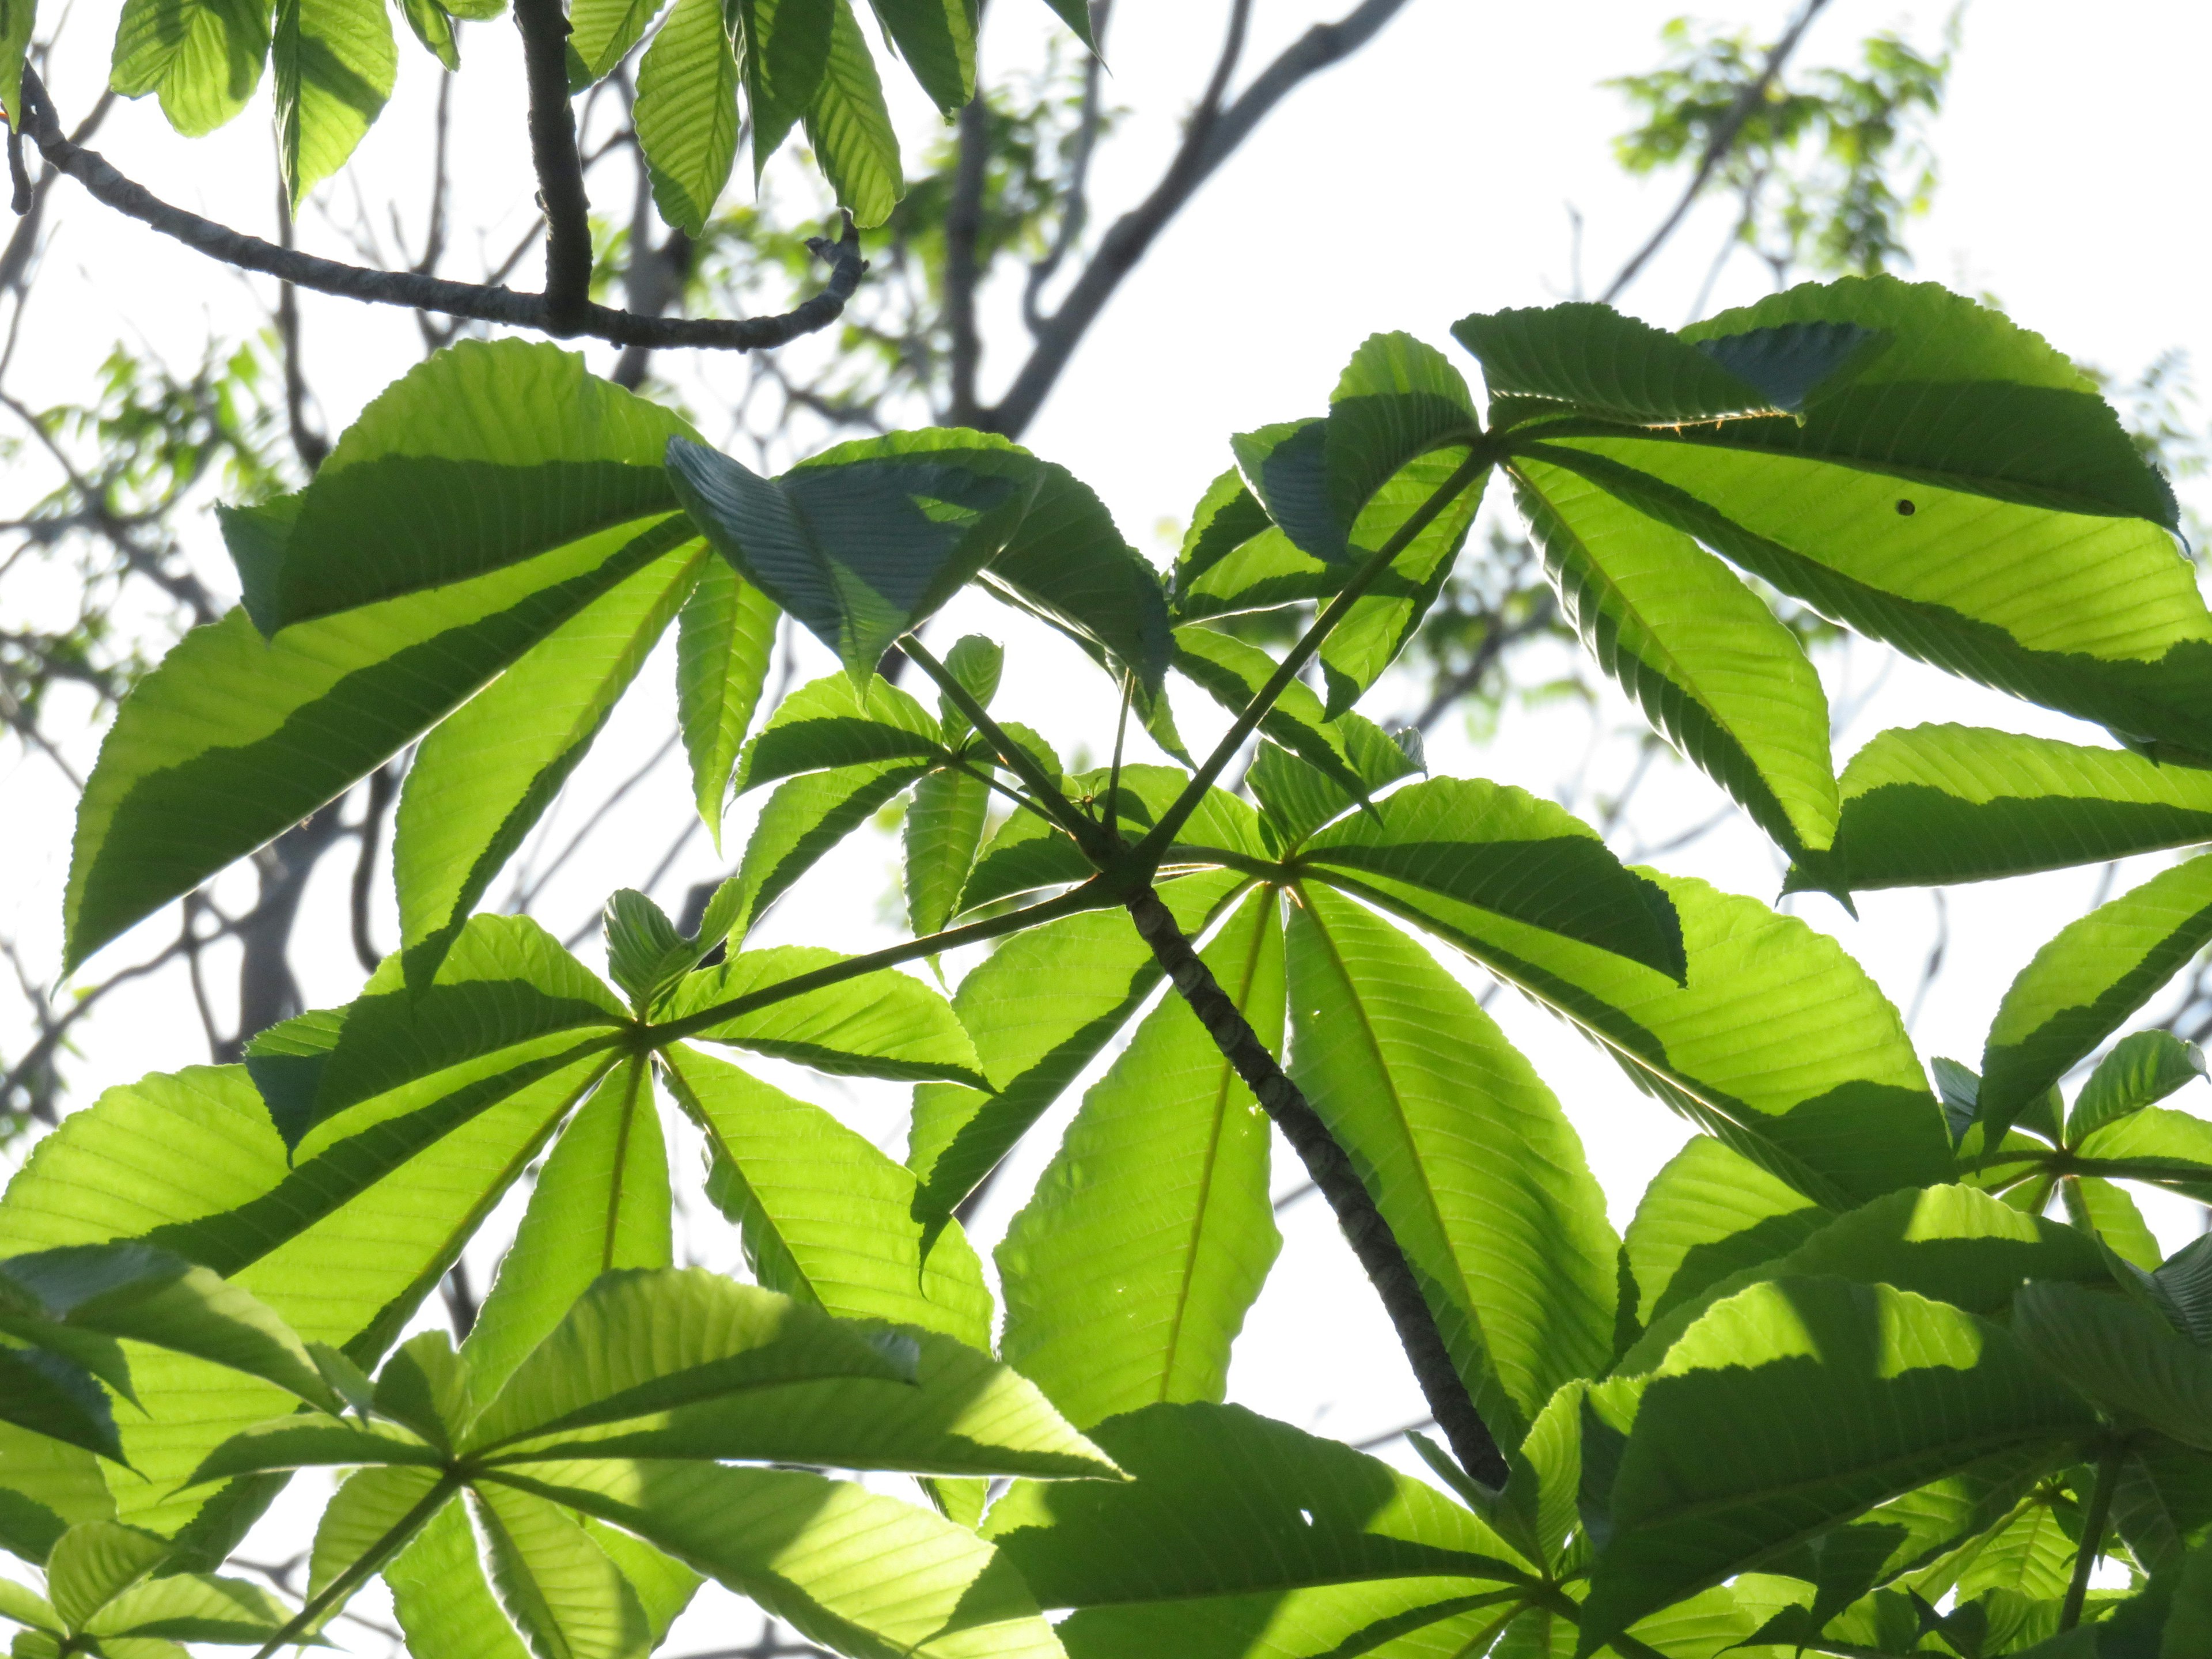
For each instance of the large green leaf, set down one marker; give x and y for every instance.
(335, 63)
(1235, 558)
(569, 1597)
(783, 47)
(203, 56)
(1589, 358)
(872, 1577)
(850, 131)
(884, 1024)
(1129, 1274)
(601, 33)
(601, 1204)
(506, 981)
(1938, 804)
(487, 453)
(1296, 800)
(2142, 1070)
(1710, 666)
(1710, 1213)
(1068, 562)
(480, 782)
(937, 38)
(1039, 1009)
(830, 723)
(861, 549)
(190, 1608)
(51, 1395)
(1502, 849)
(1149, 1565)
(1234, 673)
(46, 1487)
(2122, 1356)
(2168, 1148)
(1776, 1041)
(725, 636)
(96, 1561)
(343, 1240)
(2085, 982)
(372, 1517)
(1465, 1151)
(801, 821)
(943, 827)
(827, 1217)
(441, 1598)
(1793, 1405)
(687, 113)
(232, 739)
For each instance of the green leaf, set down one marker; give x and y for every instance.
(505, 982)
(2183, 1285)
(46, 1487)
(232, 739)
(486, 454)
(480, 782)
(1710, 1213)
(850, 131)
(1776, 1041)
(2089, 978)
(884, 1024)
(944, 826)
(1499, 847)
(664, 1586)
(601, 33)
(783, 47)
(2123, 1357)
(2105, 1211)
(1076, 14)
(1949, 1243)
(601, 1204)
(1149, 1568)
(17, 20)
(1069, 564)
(803, 819)
(193, 1607)
(640, 1342)
(1796, 1405)
(2162, 1503)
(193, 1163)
(826, 1217)
(687, 113)
(25, 1606)
(373, 1515)
(1593, 360)
(1295, 798)
(1234, 558)
(1933, 805)
(95, 1562)
(569, 1599)
(828, 723)
(872, 1577)
(725, 635)
(57, 1397)
(441, 1598)
(1129, 1274)
(203, 56)
(859, 550)
(1728, 685)
(1959, 395)
(304, 1441)
(335, 63)
(644, 953)
(1420, 1088)
(976, 663)
(1039, 1009)
(1233, 674)
(433, 25)
(2171, 1149)
(937, 38)
(2142, 1069)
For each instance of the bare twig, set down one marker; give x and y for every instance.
(309, 446)
(1075, 206)
(1717, 145)
(482, 302)
(383, 789)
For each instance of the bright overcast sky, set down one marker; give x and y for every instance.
(1431, 176)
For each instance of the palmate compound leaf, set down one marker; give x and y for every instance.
(204, 58)
(1326, 1538)
(1775, 1040)
(2088, 980)
(1467, 1152)
(1797, 1405)
(334, 61)
(343, 1237)
(482, 780)
(1129, 1274)
(1728, 685)
(232, 739)
(1039, 1009)
(1933, 804)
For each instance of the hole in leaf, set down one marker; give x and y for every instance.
(1906, 509)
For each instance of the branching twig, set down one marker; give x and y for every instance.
(482, 302)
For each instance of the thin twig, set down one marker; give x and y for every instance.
(481, 302)
(963, 225)
(1075, 197)
(383, 789)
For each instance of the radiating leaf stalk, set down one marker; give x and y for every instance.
(1146, 854)
(2092, 1535)
(334, 1594)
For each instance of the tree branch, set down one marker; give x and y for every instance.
(480, 303)
(383, 790)
(1213, 135)
(1364, 1228)
(560, 165)
(1075, 215)
(1716, 148)
(964, 229)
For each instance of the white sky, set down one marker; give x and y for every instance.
(1430, 177)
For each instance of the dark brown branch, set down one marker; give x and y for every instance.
(1075, 213)
(963, 228)
(1494, 642)
(559, 164)
(1717, 146)
(1369, 1236)
(481, 302)
(1213, 136)
(309, 446)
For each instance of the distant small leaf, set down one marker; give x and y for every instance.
(204, 57)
